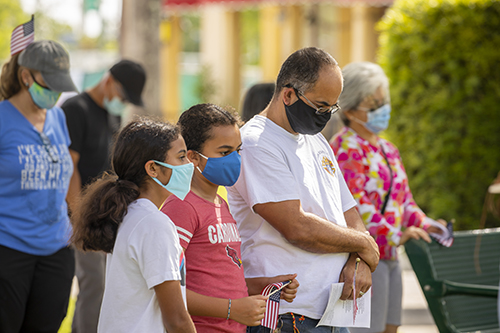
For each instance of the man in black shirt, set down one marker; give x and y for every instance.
(93, 117)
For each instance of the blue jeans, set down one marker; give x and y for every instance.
(308, 325)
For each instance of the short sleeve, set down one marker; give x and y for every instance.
(265, 177)
(184, 216)
(75, 119)
(156, 249)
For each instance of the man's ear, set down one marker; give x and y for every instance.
(289, 96)
(152, 169)
(194, 157)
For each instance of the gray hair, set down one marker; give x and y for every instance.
(301, 69)
(361, 79)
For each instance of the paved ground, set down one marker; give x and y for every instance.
(416, 315)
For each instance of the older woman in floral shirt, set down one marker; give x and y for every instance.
(377, 179)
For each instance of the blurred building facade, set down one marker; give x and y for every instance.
(344, 28)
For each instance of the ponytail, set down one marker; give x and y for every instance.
(9, 79)
(100, 212)
(104, 202)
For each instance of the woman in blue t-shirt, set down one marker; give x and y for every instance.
(36, 264)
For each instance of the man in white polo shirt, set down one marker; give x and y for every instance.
(294, 211)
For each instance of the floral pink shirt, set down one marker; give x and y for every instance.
(368, 177)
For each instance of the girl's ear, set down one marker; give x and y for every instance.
(194, 157)
(151, 169)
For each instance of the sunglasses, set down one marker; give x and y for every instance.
(49, 148)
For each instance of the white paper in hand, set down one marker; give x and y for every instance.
(340, 313)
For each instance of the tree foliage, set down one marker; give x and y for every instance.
(11, 15)
(443, 60)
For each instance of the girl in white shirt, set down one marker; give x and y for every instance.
(118, 214)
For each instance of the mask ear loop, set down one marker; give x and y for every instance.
(197, 167)
(356, 120)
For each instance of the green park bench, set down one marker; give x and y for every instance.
(460, 283)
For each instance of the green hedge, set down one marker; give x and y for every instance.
(443, 61)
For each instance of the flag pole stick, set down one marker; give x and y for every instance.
(283, 286)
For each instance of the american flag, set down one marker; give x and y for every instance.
(22, 36)
(446, 237)
(270, 319)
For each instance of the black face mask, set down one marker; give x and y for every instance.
(303, 118)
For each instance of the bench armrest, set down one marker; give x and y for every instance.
(447, 288)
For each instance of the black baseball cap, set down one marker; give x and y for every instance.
(132, 77)
(52, 61)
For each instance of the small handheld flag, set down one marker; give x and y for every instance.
(272, 290)
(22, 36)
(445, 238)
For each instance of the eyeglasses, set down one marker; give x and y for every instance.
(49, 148)
(322, 109)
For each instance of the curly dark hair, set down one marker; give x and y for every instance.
(104, 202)
(197, 122)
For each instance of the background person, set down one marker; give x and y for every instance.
(208, 232)
(36, 264)
(374, 172)
(293, 208)
(118, 214)
(256, 99)
(93, 117)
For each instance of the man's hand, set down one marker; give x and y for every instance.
(371, 254)
(363, 278)
(290, 291)
(255, 285)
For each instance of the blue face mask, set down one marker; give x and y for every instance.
(115, 107)
(180, 180)
(378, 120)
(43, 98)
(222, 171)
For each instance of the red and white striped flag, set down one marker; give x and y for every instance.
(270, 319)
(22, 36)
(445, 238)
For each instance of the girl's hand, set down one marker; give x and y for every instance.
(415, 233)
(248, 311)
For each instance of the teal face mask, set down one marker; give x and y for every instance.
(42, 97)
(115, 107)
(180, 180)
